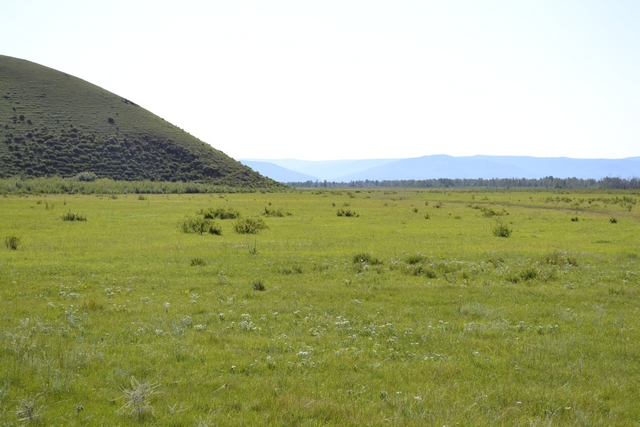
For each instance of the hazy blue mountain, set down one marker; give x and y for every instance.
(565, 167)
(443, 166)
(329, 170)
(277, 173)
(440, 166)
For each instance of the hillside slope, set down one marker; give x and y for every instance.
(54, 124)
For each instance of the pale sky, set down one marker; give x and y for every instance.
(355, 79)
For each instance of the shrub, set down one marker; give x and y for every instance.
(275, 213)
(249, 225)
(12, 242)
(220, 213)
(365, 258)
(529, 273)
(258, 285)
(488, 212)
(199, 225)
(612, 220)
(574, 219)
(86, 177)
(73, 216)
(349, 213)
(501, 230)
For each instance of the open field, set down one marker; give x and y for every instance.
(410, 313)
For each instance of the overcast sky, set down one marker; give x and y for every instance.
(357, 79)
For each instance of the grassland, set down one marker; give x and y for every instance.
(409, 313)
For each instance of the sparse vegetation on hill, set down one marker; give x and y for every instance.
(54, 124)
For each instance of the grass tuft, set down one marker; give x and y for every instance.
(415, 259)
(366, 258)
(559, 258)
(137, 399)
(12, 242)
(73, 216)
(277, 213)
(28, 411)
(198, 262)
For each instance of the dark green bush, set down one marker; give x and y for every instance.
(501, 230)
(349, 213)
(258, 285)
(12, 242)
(249, 225)
(72, 216)
(199, 225)
(220, 213)
(198, 262)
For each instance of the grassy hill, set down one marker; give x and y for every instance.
(54, 124)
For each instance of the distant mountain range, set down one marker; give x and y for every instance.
(443, 166)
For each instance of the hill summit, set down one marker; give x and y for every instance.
(54, 124)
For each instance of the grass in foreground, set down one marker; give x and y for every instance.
(388, 318)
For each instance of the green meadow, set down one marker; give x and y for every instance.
(351, 308)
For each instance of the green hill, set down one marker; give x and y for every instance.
(54, 124)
